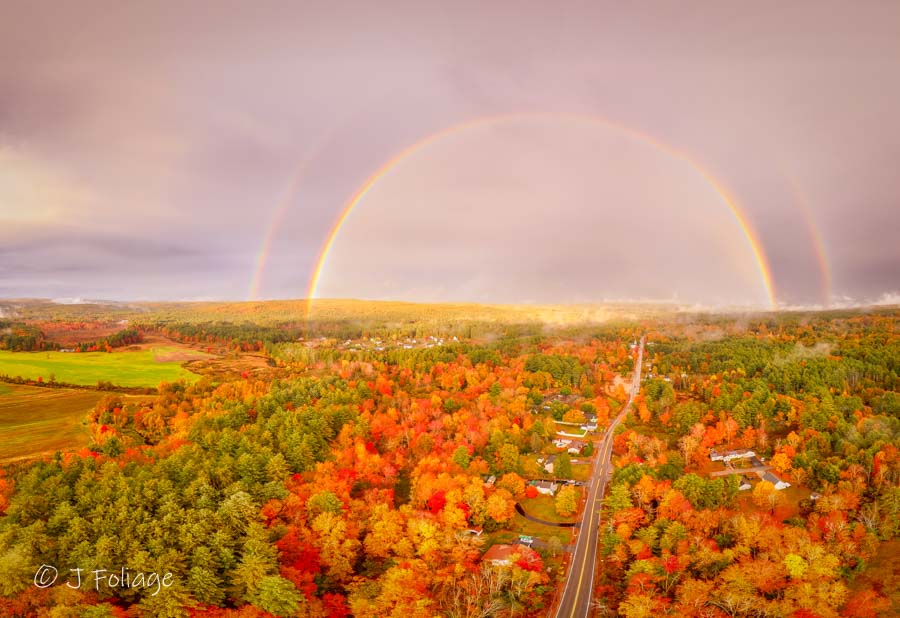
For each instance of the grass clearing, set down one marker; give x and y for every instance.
(544, 507)
(35, 420)
(129, 368)
(581, 472)
(177, 354)
(520, 525)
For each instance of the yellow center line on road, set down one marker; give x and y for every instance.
(599, 473)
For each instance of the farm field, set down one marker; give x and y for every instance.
(36, 420)
(129, 368)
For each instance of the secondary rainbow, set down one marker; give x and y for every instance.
(290, 194)
(274, 224)
(393, 162)
(815, 236)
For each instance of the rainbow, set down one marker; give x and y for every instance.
(281, 209)
(274, 224)
(815, 237)
(393, 162)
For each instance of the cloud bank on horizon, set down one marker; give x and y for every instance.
(206, 152)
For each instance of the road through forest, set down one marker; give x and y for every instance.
(578, 591)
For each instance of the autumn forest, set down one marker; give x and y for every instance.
(440, 468)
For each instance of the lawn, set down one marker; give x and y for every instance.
(36, 420)
(581, 472)
(544, 507)
(520, 525)
(130, 368)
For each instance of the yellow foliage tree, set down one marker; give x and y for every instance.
(501, 507)
(566, 501)
(781, 462)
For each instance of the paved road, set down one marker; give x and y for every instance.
(576, 598)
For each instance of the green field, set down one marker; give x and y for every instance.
(36, 420)
(131, 368)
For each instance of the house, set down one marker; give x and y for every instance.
(505, 555)
(589, 427)
(745, 484)
(576, 447)
(743, 453)
(548, 465)
(489, 481)
(814, 496)
(548, 488)
(777, 482)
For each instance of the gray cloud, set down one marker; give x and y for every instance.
(165, 136)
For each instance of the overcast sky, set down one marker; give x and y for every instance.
(145, 149)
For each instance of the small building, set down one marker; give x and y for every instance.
(548, 488)
(505, 555)
(743, 453)
(549, 464)
(576, 447)
(814, 496)
(745, 484)
(489, 481)
(777, 482)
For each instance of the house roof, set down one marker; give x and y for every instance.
(505, 553)
(768, 476)
(500, 553)
(543, 483)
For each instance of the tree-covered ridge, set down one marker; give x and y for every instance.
(21, 337)
(30, 337)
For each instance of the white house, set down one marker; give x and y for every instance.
(548, 488)
(715, 455)
(549, 465)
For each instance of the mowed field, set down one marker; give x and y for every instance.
(35, 420)
(143, 367)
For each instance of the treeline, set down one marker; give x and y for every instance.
(129, 336)
(244, 337)
(19, 337)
